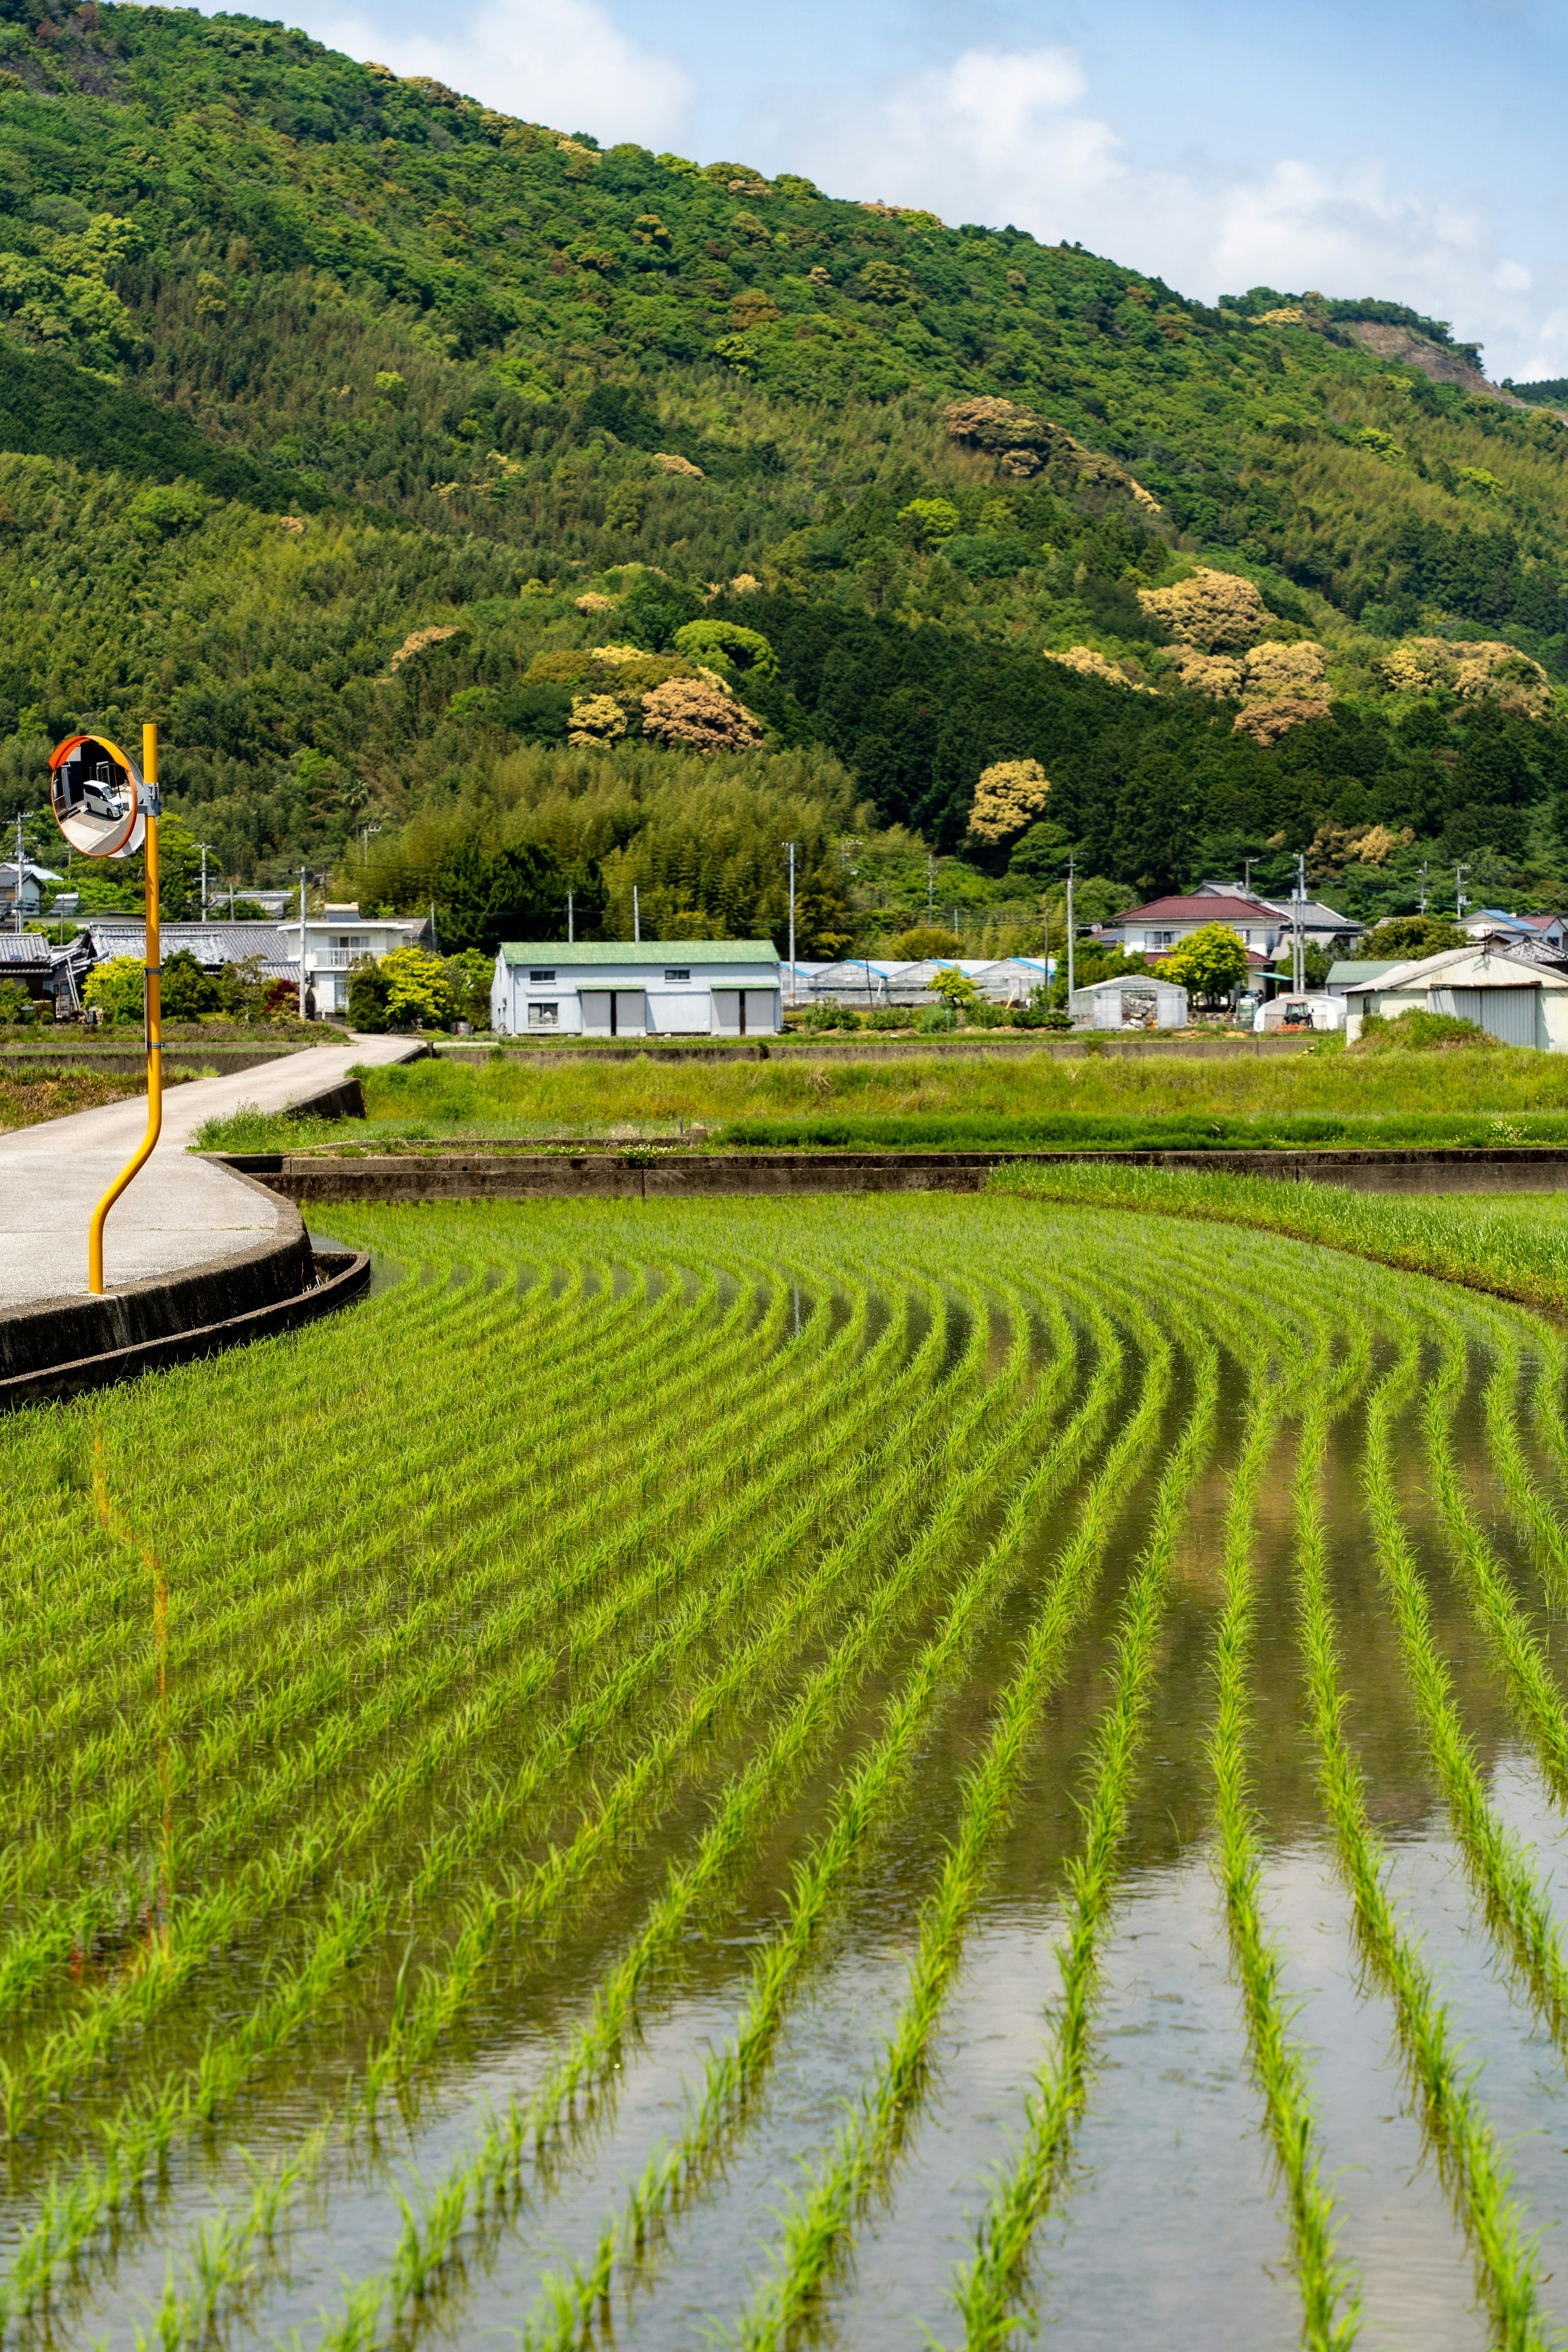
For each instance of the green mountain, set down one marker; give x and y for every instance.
(349, 418)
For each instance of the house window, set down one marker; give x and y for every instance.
(544, 1016)
(677, 979)
(1162, 939)
(541, 979)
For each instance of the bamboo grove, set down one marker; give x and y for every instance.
(610, 1793)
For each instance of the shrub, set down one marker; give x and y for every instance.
(1418, 1032)
(15, 1005)
(935, 1019)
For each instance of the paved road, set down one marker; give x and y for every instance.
(178, 1212)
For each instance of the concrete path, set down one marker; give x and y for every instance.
(179, 1212)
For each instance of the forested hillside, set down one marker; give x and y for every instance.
(416, 467)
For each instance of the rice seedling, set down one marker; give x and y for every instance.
(405, 1723)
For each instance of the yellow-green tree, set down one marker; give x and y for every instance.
(1210, 963)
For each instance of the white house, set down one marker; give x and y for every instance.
(621, 988)
(1263, 925)
(1517, 1003)
(333, 941)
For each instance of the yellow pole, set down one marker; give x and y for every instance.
(154, 986)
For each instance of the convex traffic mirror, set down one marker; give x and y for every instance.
(98, 797)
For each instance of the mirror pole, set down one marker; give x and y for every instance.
(153, 984)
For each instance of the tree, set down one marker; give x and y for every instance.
(114, 989)
(367, 997)
(485, 894)
(418, 994)
(688, 712)
(922, 941)
(956, 990)
(468, 977)
(187, 991)
(1408, 938)
(1009, 795)
(1209, 963)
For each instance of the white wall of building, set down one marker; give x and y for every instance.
(635, 999)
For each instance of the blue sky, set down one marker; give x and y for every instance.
(1412, 153)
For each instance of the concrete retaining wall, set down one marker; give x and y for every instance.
(336, 1278)
(972, 1045)
(610, 1175)
(64, 1331)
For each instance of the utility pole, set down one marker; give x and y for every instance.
(931, 888)
(1423, 886)
(302, 943)
(1247, 866)
(1299, 937)
(1460, 899)
(790, 846)
(18, 899)
(204, 881)
(571, 922)
(636, 917)
(231, 902)
(1072, 961)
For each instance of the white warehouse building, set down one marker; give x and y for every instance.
(618, 988)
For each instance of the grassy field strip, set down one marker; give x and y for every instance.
(146, 2122)
(817, 2228)
(589, 2061)
(1456, 1241)
(224, 1913)
(1526, 1670)
(1507, 2262)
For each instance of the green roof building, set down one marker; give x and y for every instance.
(622, 988)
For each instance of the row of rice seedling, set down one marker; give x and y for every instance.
(1508, 2262)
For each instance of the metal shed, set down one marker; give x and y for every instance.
(1133, 1000)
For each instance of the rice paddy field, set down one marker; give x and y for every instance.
(864, 1772)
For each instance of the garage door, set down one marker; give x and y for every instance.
(680, 1014)
(612, 1012)
(1509, 1014)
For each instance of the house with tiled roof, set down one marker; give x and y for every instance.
(1263, 925)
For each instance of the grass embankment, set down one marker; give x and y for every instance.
(55, 1093)
(927, 1102)
(1516, 1248)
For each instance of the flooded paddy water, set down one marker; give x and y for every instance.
(843, 1772)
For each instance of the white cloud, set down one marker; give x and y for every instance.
(563, 62)
(1002, 135)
